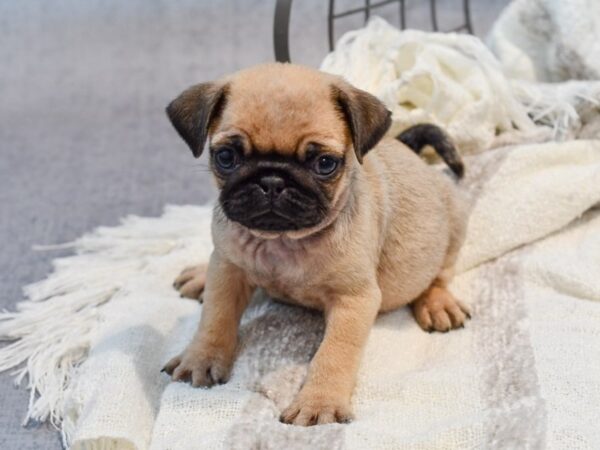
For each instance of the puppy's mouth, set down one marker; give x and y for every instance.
(270, 221)
(273, 202)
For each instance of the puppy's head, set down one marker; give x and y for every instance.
(284, 142)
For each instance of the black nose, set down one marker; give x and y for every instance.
(272, 184)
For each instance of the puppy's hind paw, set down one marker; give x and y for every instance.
(190, 283)
(438, 310)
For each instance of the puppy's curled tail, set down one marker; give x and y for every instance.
(421, 135)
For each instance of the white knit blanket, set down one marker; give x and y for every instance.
(546, 47)
(522, 374)
(548, 40)
(456, 82)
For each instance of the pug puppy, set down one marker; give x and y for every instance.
(318, 209)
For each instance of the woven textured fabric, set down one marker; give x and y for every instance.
(548, 40)
(452, 80)
(549, 49)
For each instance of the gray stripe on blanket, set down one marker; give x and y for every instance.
(515, 409)
(278, 342)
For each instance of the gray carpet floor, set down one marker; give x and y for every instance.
(83, 136)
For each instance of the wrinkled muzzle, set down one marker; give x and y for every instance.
(273, 199)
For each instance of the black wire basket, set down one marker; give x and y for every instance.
(283, 10)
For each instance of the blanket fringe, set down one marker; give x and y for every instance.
(560, 106)
(51, 332)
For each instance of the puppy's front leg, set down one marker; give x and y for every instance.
(325, 396)
(209, 357)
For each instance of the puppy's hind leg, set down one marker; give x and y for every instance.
(190, 283)
(437, 309)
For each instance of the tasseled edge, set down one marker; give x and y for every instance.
(558, 105)
(51, 332)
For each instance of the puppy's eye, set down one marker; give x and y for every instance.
(226, 158)
(325, 165)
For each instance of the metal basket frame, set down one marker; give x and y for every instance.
(283, 9)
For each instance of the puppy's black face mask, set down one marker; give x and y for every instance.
(272, 192)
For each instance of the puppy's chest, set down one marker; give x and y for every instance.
(284, 268)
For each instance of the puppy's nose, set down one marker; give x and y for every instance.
(272, 185)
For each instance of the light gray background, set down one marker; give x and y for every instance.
(83, 136)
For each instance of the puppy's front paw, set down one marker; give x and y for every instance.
(316, 409)
(190, 283)
(438, 310)
(199, 368)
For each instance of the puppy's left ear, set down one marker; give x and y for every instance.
(367, 117)
(193, 112)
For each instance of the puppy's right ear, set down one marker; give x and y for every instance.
(366, 116)
(193, 112)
